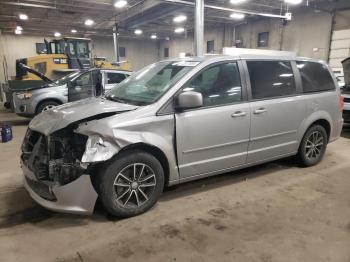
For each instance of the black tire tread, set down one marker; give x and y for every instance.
(106, 175)
(301, 156)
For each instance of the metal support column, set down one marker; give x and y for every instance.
(115, 40)
(199, 27)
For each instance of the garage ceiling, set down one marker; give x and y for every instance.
(152, 16)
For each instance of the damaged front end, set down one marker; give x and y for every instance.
(54, 174)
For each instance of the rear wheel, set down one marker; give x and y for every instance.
(131, 184)
(313, 146)
(47, 105)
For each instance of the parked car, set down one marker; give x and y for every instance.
(346, 90)
(341, 81)
(346, 112)
(176, 121)
(75, 86)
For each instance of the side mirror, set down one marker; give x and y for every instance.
(188, 100)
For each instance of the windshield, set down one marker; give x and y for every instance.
(149, 84)
(64, 80)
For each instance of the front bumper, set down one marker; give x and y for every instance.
(77, 197)
(23, 107)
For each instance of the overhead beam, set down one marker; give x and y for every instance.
(232, 10)
(29, 5)
(151, 15)
(133, 11)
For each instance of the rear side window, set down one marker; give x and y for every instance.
(315, 77)
(271, 79)
(115, 78)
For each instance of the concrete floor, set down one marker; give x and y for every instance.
(273, 212)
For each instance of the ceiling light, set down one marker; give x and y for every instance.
(138, 32)
(74, 31)
(237, 16)
(179, 30)
(57, 34)
(235, 2)
(154, 36)
(19, 28)
(120, 3)
(23, 17)
(180, 18)
(167, 38)
(18, 32)
(89, 22)
(293, 2)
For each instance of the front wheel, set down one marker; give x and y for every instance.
(131, 184)
(47, 105)
(313, 146)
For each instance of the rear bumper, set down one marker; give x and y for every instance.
(346, 115)
(77, 197)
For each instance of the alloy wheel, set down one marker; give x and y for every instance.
(314, 145)
(134, 185)
(48, 107)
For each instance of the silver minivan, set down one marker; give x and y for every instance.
(176, 121)
(72, 87)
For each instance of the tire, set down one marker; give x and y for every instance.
(313, 146)
(124, 195)
(45, 106)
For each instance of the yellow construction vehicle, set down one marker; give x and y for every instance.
(102, 62)
(63, 56)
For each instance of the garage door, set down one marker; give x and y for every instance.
(340, 49)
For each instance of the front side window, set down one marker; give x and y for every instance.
(84, 79)
(270, 79)
(219, 84)
(115, 78)
(149, 84)
(315, 77)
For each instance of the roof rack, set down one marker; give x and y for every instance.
(246, 51)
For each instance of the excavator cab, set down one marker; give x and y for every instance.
(62, 57)
(76, 49)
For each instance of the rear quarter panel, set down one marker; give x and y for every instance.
(322, 105)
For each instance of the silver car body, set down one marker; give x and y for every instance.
(195, 143)
(59, 94)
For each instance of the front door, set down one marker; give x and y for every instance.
(214, 137)
(82, 87)
(276, 110)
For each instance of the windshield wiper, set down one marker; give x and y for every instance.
(126, 101)
(115, 99)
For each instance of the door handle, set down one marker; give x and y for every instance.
(239, 114)
(260, 111)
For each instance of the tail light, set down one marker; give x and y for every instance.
(341, 103)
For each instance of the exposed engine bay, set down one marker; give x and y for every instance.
(55, 158)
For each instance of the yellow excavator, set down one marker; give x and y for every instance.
(63, 56)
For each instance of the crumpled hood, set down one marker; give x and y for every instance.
(60, 117)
